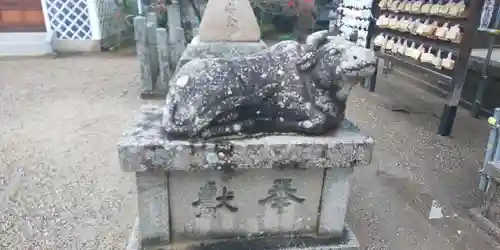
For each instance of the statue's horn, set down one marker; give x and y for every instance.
(317, 38)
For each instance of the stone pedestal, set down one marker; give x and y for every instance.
(224, 49)
(269, 192)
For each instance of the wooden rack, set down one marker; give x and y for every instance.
(493, 33)
(461, 53)
(363, 5)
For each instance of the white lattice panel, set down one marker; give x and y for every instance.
(111, 18)
(69, 19)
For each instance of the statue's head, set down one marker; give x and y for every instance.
(329, 57)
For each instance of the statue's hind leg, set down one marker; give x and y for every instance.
(307, 118)
(314, 126)
(226, 129)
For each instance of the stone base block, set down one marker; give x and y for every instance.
(240, 187)
(144, 146)
(347, 241)
(202, 50)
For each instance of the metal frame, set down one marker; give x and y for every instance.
(457, 77)
(492, 149)
(493, 33)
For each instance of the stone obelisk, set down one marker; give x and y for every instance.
(228, 28)
(229, 20)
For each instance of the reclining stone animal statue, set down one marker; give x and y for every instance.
(287, 88)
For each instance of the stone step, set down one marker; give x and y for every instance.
(26, 44)
(347, 241)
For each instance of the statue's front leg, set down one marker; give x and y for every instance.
(316, 122)
(226, 129)
(324, 102)
(314, 126)
(346, 87)
(227, 117)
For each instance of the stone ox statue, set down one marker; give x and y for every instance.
(289, 87)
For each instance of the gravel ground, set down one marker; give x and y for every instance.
(60, 120)
(61, 187)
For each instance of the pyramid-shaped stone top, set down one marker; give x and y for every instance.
(229, 20)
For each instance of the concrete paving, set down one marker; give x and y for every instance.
(61, 187)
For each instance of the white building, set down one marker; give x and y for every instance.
(37, 27)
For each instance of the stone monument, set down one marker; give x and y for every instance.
(147, 52)
(229, 20)
(159, 48)
(250, 151)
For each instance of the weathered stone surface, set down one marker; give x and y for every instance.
(147, 53)
(229, 20)
(287, 88)
(208, 50)
(145, 146)
(257, 201)
(143, 53)
(163, 60)
(175, 32)
(151, 26)
(334, 200)
(153, 206)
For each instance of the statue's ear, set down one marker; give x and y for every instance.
(310, 59)
(307, 61)
(313, 52)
